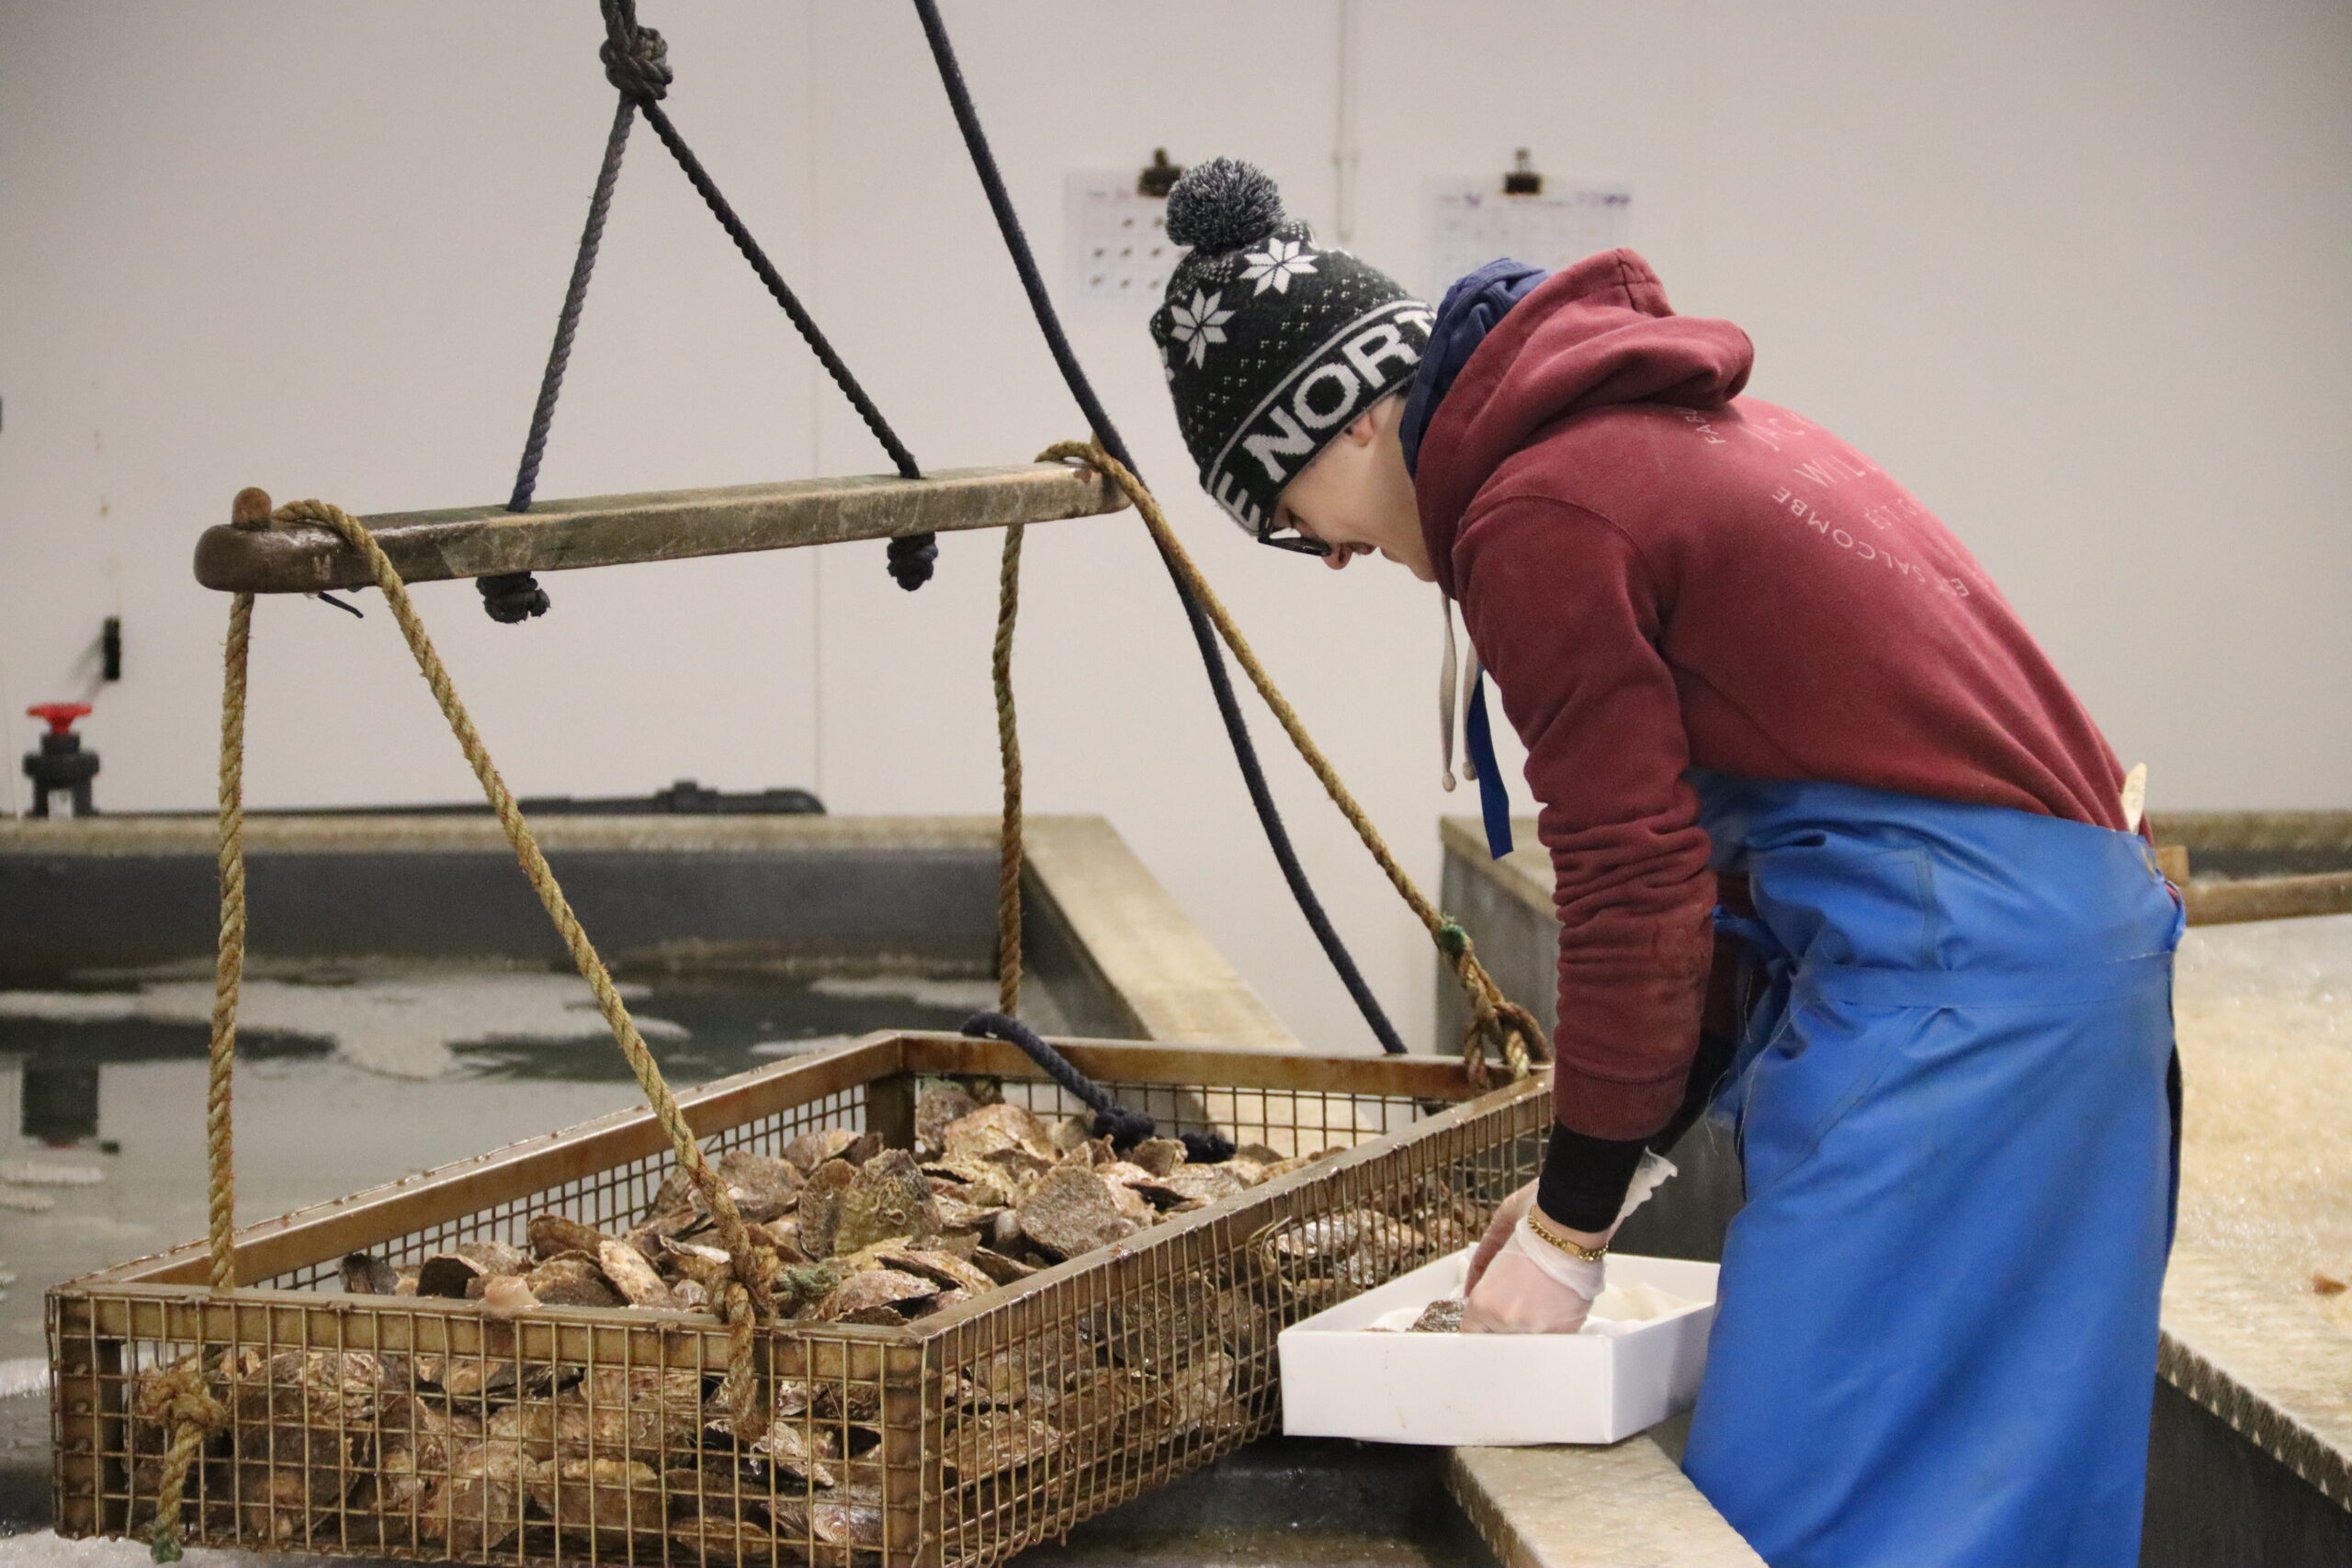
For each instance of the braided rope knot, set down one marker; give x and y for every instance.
(912, 558)
(636, 60)
(1510, 1028)
(180, 1402)
(512, 597)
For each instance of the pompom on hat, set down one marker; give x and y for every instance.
(1272, 346)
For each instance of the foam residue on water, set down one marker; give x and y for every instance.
(960, 994)
(401, 1022)
(2265, 1017)
(972, 995)
(802, 1047)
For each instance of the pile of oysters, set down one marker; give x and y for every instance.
(461, 1455)
(988, 1194)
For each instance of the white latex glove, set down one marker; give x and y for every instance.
(1520, 1283)
(1532, 1287)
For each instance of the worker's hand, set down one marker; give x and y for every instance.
(1523, 1293)
(1520, 1283)
(1508, 1213)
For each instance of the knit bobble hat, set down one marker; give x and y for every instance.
(1272, 346)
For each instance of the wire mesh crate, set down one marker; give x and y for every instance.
(426, 1427)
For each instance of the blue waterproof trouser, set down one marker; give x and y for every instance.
(1937, 1342)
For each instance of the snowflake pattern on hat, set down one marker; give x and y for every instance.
(1200, 326)
(1274, 267)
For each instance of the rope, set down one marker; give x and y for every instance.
(913, 557)
(740, 1388)
(779, 290)
(1008, 740)
(734, 1234)
(1494, 1019)
(513, 597)
(753, 1263)
(636, 63)
(575, 297)
(179, 1400)
(1098, 419)
(229, 963)
(1124, 1127)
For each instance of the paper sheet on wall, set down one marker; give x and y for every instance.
(1117, 254)
(1470, 224)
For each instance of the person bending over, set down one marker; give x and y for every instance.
(1835, 849)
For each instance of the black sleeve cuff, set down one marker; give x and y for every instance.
(1583, 1179)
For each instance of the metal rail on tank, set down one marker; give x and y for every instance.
(616, 530)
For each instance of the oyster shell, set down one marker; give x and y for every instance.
(992, 1128)
(820, 1207)
(365, 1274)
(460, 1272)
(1156, 1156)
(763, 1186)
(1441, 1316)
(551, 1234)
(887, 1197)
(571, 1279)
(937, 1105)
(478, 1507)
(1071, 1211)
(856, 1298)
(625, 1269)
(601, 1495)
(991, 1440)
(810, 1150)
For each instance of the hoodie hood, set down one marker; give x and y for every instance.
(1474, 307)
(1595, 334)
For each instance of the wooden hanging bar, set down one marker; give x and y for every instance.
(616, 530)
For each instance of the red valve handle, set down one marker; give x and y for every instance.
(61, 715)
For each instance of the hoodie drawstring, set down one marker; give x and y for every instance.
(1448, 672)
(1468, 696)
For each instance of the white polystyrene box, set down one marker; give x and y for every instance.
(1341, 1378)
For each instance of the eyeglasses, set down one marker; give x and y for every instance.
(1292, 540)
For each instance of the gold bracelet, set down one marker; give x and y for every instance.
(1573, 1248)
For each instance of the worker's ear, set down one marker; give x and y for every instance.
(1366, 428)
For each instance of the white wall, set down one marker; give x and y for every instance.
(2077, 272)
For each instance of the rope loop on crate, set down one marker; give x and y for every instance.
(1518, 1039)
(178, 1400)
(740, 1388)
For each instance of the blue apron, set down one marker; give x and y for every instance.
(1937, 1342)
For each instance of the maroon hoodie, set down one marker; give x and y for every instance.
(1661, 574)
